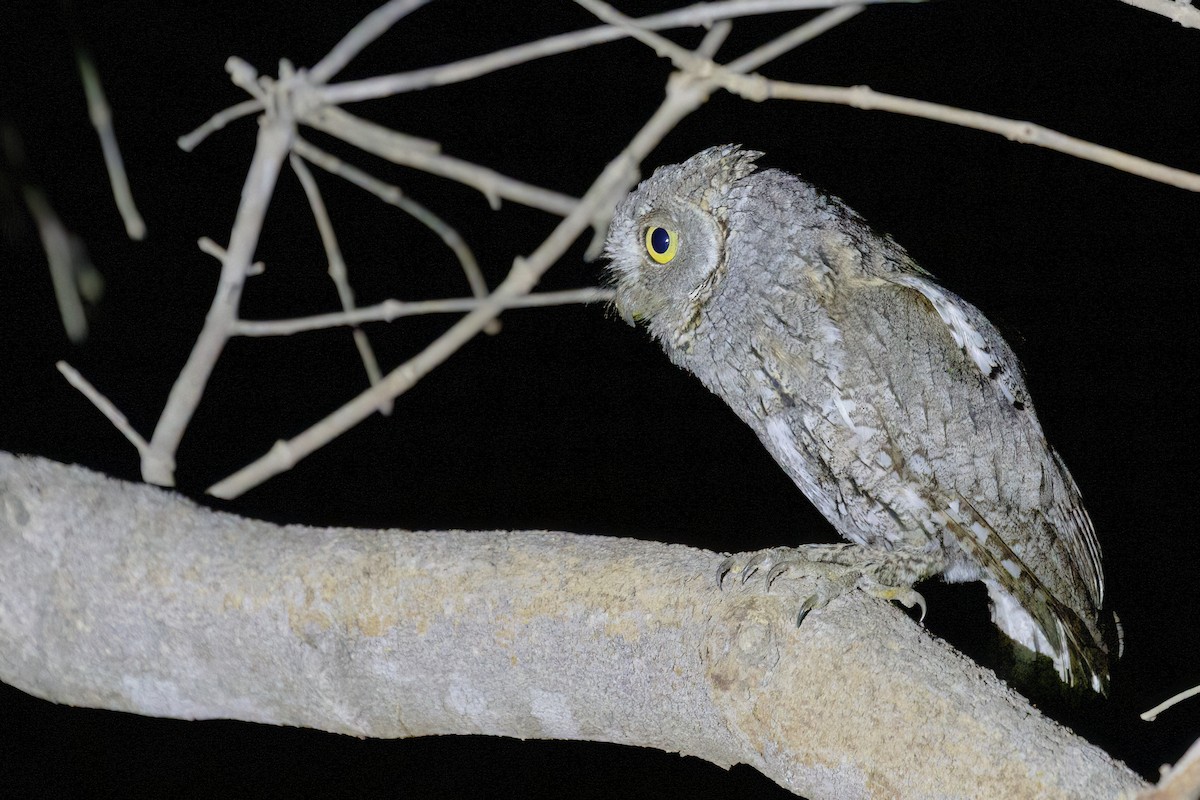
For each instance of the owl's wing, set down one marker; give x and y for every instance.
(998, 366)
(1053, 573)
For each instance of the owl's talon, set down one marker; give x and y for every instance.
(904, 595)
(775, 572)
(756, 563)
(723, 570)
(810, 603)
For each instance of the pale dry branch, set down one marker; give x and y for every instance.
(863, 97)
(757, 88)
(470, 68)
(216, 122)
(390, 310)
(1175, 699)
(158, 460)
(392, 195)
(209, 247)
(371, 28)
(337, 270)
(103, 404)
(64, 256)
(141, 601)
(1181, 11)
(392, 146)
(101, 117)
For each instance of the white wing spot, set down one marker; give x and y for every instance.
(961, 330)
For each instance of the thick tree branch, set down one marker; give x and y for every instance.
(127, 597)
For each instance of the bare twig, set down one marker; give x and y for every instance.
(1181, 11)
(371, 28)
(390, 310)
(63, 254)
(103, 404)
(758, 88)
(218, 121)
(215, 250)
(101, 117)
(392, 195)
(395, 148)
(337, 270)
(1153, 713)
(158, 461)
(467, 69)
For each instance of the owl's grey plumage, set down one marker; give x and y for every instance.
(894, 405)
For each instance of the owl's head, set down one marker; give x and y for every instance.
(666, 242)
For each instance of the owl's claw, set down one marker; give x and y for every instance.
(723, 569)
(813, 601)
(904, 595)
(835, 568)
(771, 560)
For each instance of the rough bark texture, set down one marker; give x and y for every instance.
(126, 597)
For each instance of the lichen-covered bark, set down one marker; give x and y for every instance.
(122, 596)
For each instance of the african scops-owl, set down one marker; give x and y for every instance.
(894, 405)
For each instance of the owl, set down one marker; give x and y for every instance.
(890, 401)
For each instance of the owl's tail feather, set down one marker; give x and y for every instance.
(1027, 612)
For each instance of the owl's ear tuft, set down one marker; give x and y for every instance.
(726, 163)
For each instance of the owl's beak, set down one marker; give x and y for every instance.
(625, 312)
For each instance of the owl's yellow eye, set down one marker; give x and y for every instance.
(662, 244)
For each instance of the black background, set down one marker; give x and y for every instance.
(569, 419)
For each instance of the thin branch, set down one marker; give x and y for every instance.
(158, 461)
(102, 403)
(1150, 715)
(101, 117)
(337, 270)
(467, 69)
(758, 88)
(392, 195)
(394, 147)
(1181, 11)
(865, 98)
(798, 36)
(371, 28)
(209, 247)
(715, 37)
(217, 121)
(390, 310)
(63, 251)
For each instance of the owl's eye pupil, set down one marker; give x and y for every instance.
(660, 240)
(662, 244)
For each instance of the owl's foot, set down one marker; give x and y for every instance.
(837, 568)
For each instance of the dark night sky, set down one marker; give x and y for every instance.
(569, 419)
